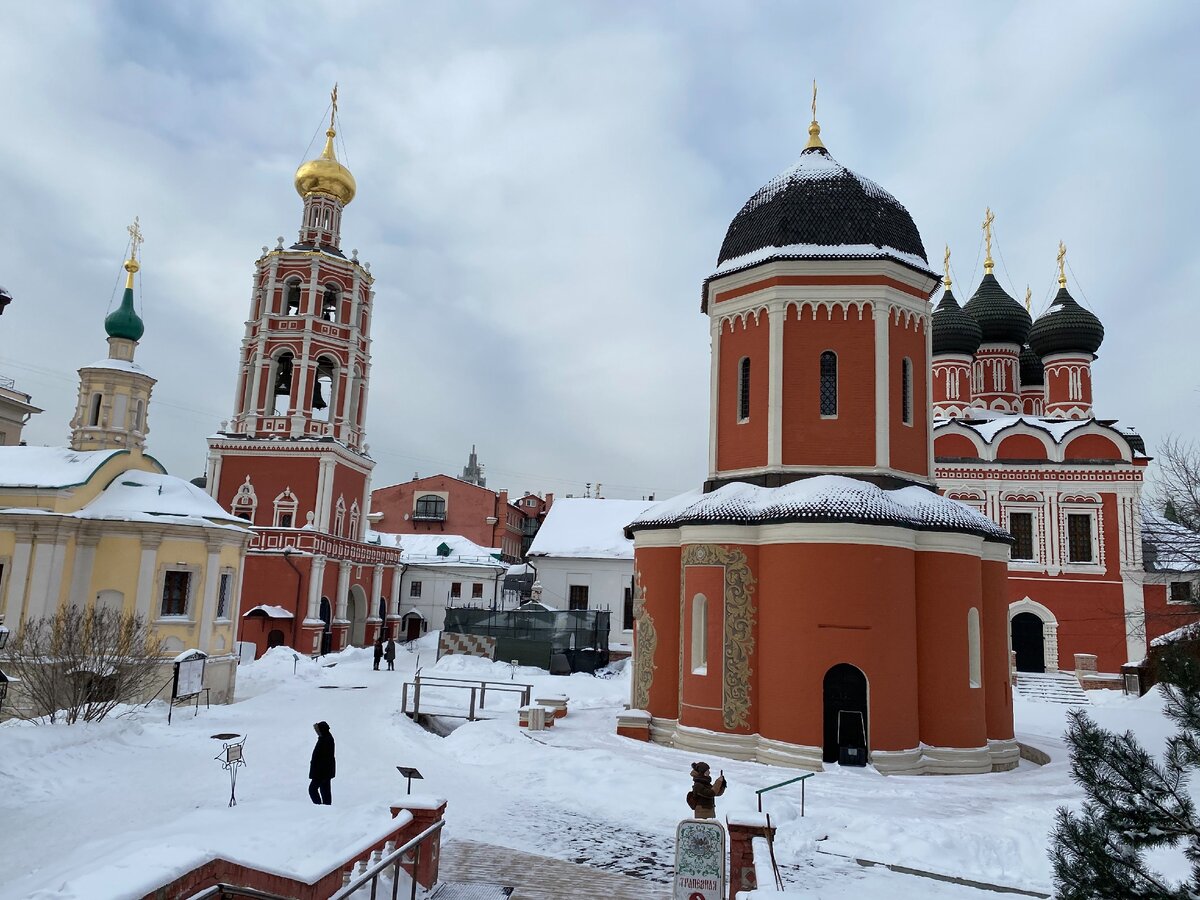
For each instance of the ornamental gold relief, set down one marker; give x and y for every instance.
(644, 646)
(738, 640)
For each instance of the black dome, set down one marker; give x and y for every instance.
(1001, 318)
(1032, 372)
(1066, 327)
(820, 203)
(953, 330)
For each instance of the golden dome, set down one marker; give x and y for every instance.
(325, 175)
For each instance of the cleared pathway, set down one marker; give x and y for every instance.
(538, 877)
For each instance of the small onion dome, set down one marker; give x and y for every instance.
(1066, 327)
(1032, 372)
(953, 330)
(819, 203)
(1001, 318)
(325, 175)
(5, 299)
(124, 322)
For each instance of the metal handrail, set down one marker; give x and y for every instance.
(394, 859)
(772, 787)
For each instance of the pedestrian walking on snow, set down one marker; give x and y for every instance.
(389, 653)
(323, 767)
(378, 652)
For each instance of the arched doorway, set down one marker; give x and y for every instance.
(275, 638)
(412, 625)
(845, 692)
(356, 612)
(327, 629)
(1028, 642)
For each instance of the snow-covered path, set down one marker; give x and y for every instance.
(74, 795)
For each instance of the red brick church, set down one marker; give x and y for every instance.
(818, 601)
(293, 460)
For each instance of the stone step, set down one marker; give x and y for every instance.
(1050, 687)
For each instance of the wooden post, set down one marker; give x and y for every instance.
(416, 700)
(404, 699)
(482, 694)
(471, 717)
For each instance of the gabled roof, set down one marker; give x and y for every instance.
(1168, 546)
(50, 467)
(583, 528)
(990, 431)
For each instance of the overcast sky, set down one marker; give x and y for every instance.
(542, 187)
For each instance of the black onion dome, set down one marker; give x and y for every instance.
(1032, 372)
(1001, 318)
(1066, 327)
(953, 330)
(819, 203)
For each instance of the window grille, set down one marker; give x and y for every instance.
(744, 390)
(578, 597)
(175, 593)
(1079, 537)
(431, 507)
(414, 589)
(906, 391)
(1021, 526)
(829, 385)
(223, 596)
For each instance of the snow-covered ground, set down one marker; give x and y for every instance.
(75, 797)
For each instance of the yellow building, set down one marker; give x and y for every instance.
(101, 522)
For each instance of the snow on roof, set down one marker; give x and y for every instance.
(50, 467)
(421, 549)
(120, 365)
(588, 529)
(271, 612)
(988, 430)
(1188, 632)
(822, 498)
(820, 251)
(1168, 546)
(152, 496)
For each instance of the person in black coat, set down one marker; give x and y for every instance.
(323, 767)
(378, 652)
(389, 653)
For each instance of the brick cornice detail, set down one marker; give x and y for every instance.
(820, 281)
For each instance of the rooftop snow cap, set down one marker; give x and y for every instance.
(1066, 327)
(819, 203)
(1032, 373)
(953, 330)
(1001, 318)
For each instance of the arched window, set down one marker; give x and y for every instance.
(906, 402)
(283, 382)
(329, 303)
(430, 507)
(138, 409)
(323, 387)
(353, 534)
(744, 389)
(699, 635)
(292, 307)
(973, 665)
(245, 501)
(829, 384)
(94, 413)
(285, 509)
(339, 517)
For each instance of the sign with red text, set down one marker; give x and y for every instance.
(699, 860)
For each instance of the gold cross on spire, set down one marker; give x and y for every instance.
(333, 105)
(1028, 298)
(988, 219)
(1062, 258)
(946, 267)
(135, 238)
(814, 130)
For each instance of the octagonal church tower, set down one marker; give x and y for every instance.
(817, 601)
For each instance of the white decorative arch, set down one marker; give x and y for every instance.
(1049, 629)
(245, 501)
(285, 505)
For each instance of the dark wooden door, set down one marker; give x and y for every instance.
(845, 692)
(1028, 643)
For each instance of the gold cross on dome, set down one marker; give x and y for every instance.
(135, 238)
(1062, 258)
(814, 103)
(946, 267)
(988, 219)
(333, 106)
(1028, 298)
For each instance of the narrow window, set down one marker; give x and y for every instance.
(1021, 526)
(476, 591)
(137, 416)
(175, 593)
(974, 671)
(329, 303)
(414, 589)
(578, 598)
(283, 383)
(339, 517)
(322, 395)
(699, 635)
(627, 610)
(455, 590)
(829, 385)
(906, 405)
(94, 415)
(223, 595)
(1079, 537)
(744, 390)
(293, 297)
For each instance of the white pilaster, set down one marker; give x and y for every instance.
(14, 600)
(713, 394)
(775, 387)
(343, 593)
(316, 578)
(81, 571)
(145, 583)
(208, 611)
(883, 431)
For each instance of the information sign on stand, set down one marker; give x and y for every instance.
(699, 860)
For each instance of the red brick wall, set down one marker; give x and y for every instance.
(910, 447)
(742, 445)
(468, 508)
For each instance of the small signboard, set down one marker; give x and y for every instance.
(189, 677)
(699, 860)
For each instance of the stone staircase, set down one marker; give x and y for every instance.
(1050, 687)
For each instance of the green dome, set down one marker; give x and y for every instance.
(124, 322)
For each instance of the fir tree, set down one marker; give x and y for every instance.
(1134, 802)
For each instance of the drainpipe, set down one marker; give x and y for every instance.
(287, 558)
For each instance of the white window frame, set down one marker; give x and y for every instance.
(974, 657)
(1171, 579)
(1034, 508)
(224, 577)
(189, 605)
(698, 660)
(1079, 507)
